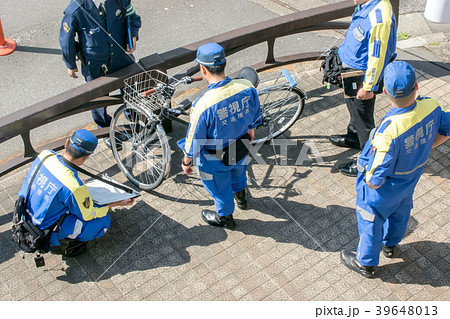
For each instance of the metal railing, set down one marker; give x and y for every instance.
(91, 95)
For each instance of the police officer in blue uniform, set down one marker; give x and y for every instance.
(390, 166)
(221, 118)
(102, 28)
(369, 45)
(57, 190)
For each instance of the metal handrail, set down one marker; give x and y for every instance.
(91, 95)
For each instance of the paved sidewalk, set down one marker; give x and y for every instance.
(285, 248)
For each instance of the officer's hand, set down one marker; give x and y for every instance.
(364, 95)
(73, 73)
(125, 202)
(187, 169)
(251, 132)
(130, 51)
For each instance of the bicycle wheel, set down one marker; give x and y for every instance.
(140, 146)
(280, 108)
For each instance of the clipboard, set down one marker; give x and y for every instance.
(103, 194)
(352, 82)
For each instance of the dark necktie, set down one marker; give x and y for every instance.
(102, 9)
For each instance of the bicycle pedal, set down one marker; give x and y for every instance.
(175, 111)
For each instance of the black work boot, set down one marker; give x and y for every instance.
(344, 141)
(70, 247)
(349, 169)
(241, 198)
(388, 251)
(350, 261)
(214, 219)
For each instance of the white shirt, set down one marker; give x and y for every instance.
(97, 2)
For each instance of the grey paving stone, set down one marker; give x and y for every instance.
(286, 247)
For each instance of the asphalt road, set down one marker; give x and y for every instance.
(35, 71)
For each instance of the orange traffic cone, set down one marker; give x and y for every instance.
(7, 46)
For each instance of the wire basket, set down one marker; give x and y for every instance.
(137, 85)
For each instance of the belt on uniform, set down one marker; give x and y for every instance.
(233, 153)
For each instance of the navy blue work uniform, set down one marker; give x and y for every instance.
(103, 38)
(369, 45)
(394, 160)
(223, 114)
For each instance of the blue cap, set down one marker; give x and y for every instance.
(210, 54)
(84, 141)
(399, 79)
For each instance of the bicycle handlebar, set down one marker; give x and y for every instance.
(186, 80)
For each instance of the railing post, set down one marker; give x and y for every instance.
(28, 148)
(396, 7)
(270, 48)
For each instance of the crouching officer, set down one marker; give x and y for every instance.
(58, 194)
(104, 30)
(220, 119)
(390, 166)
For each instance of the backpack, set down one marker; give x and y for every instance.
(332, 67)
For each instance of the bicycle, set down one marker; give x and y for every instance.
(139, 143)
(282, 103)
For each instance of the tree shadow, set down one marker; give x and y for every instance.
(328, 229)
(422, 263)
(5, 219)
(8, 248)
(304, 153)
(139, 239)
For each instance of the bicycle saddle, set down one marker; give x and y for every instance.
(249, 74)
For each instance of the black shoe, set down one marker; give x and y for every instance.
(214, 219)
(349, 169)
(70, 247)
(350, 261)
(344, 141)
(388, 251)
(241, 198)
(107, 141)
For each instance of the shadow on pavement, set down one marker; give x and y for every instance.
(434, 68)
(39, 50)
(139, 240)
(327, 229)
(421, 263)
(6, 219)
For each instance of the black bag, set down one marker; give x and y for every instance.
(332, 67)
(25, 234)
(236, 151)
(20, 236)
(233, 153)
